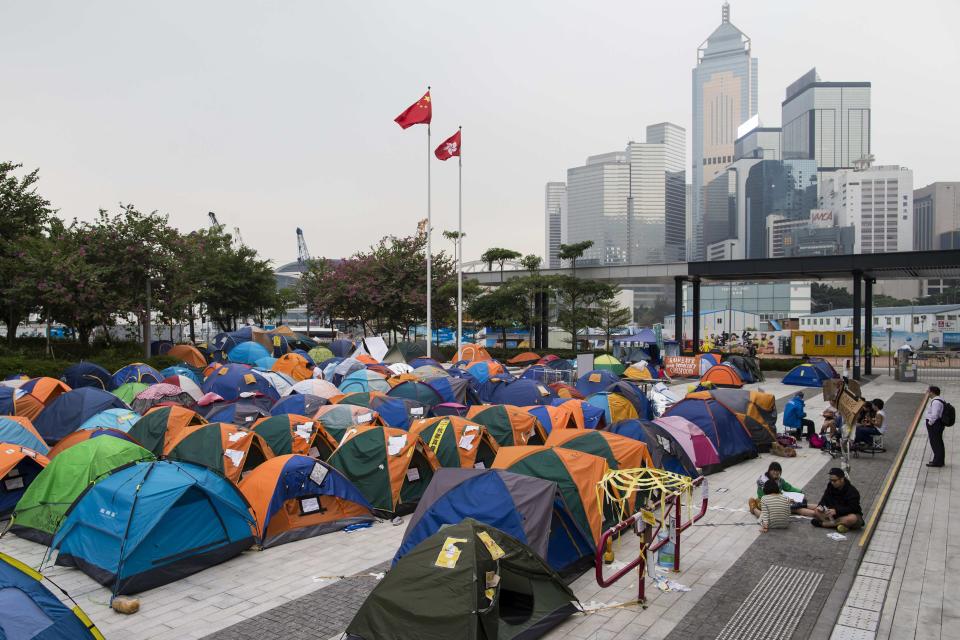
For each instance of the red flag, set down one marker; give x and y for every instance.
(420, 112)
(449, 147)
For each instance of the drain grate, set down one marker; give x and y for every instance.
(773, 609)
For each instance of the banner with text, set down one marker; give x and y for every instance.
(682, 366)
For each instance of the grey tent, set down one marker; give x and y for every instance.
(405, 351)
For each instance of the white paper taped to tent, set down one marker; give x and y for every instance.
(466, 442)
(238, 435)
(318, 474)
(236, 456)
(304, 431)
(395, 444)
(374, 347)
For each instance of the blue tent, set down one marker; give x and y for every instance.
(88, 374)
(119, 419)
(186, 372)
(341, 348)
(137, 372)
(536, 372)
(595, 381)
(248, 352)
(12, 432)
(302, 404)
(636, 395)
(666, 452)
(530, 509)
(399, 412)
(423, 361)
(592, 415)
(306, 356)
(519, 393)
(71, 409)
(456, 390)
(805, 375)
(422, 392)
(231, 380)
(824, 367)
(151, 523)
(729, 436)
(243, 412)
(30, 610)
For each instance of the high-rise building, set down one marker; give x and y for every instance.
(828, 122)
(936, 216)
(632, 203)
(556, 219)
(762, 143)
(724, 97)
(877, 202)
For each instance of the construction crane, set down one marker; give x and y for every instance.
(303, 254)
(213, 219)
(237, 238)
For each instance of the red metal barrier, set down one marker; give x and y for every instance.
(671, 502)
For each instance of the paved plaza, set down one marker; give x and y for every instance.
(798, 582)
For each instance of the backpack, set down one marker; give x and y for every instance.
(817, 441)
(949, 415)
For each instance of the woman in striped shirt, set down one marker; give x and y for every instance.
(774, 507)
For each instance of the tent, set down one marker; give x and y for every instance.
(88, 374)
(161, 394)
(30, 610)
(729, 435)
(293, 365)
(516, 392)
(457, 442)
(162, 425)
(82, 435)
(71, 409)
(435, 586)
(556, 363)
(41, 509)
(176, 375)
(707, 360)
(585, 415)
(615, 406)
(19, 466)
(665, 451)
(337, 418)
(129, 390)
(186, 384)
(358, 398)
(805, 375)
(119, 419)
(289, 433)
(636, 394)
(295, 497)
(422, 392)
(619, 451)
(281, 382)
(242, 412)
(136, 372)
(398, 412)
(229, 451)
(595, 381)
(721, 375)
(46, 390)
(189, 354)
(15, 402)
(576, 474)
(508, 425)
(607, 362)
(364, 380)
(530, 509)
(319, 354)
(821, 364)
(248, 352)
(152, 523)
(405, 351)
(390, 467)
(747, 367)
(691, 438)
(456, 390)
(756, 409)
(315, 387)
(266, 362)
(373, 347)
(472, 353)
(553, 416)
(564, 390)
(341, 348)
(522, 359)
(641, 371)
(304, 404)
(229, 381)
(483, 370)
(20, 431)
(336, 372)
(417, 363)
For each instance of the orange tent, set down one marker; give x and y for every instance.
(507, 424)
(294, 365)
(722, 376)
(365, 358)
(162, 425)
(18, 467)
(46, 390)
(457, 442)
(560, 416)
(222, 447)
(32, 441)
(295, 434)
(189, 354)
(472, 353)
(619, 451)
(527, 357)
(564, 390)
(295, 497)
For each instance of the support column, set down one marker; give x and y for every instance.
(545, 319)
(696, 316)
(868, 325)
(678, 311)
(857, 302)
(535, 328)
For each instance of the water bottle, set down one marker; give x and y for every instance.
(666, 552)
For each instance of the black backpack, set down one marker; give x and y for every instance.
(949, 415)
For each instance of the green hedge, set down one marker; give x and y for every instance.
(779, 364)
(29, 356)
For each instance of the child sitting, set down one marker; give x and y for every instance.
(774, 508)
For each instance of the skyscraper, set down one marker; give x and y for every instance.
(724, 97)
(877, 202)
(597, 207)
(826, 121)
(556, 222)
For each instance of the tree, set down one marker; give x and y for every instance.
(502, 307)
(23, 214)
(573, 252)
(285, 299)
(500, 256)
(612, 316)
(575, 299)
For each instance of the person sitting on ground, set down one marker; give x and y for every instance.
(774, 507)
(794, 417)
(775, 473)
(839, 507)
(874, 427)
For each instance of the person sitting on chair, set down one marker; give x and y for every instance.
(874, 426)
(774, 473)
(839, 508)
(794, 417)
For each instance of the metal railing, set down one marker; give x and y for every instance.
(672, 503)
(935, 365)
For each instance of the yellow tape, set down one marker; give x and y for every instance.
(437, 436)
(619, 486)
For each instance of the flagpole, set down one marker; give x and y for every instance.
(460, 240)
(429, 254)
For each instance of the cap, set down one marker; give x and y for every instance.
(837, 471)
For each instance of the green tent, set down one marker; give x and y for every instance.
(468, 581)
(44, 504)
(606, 362)
(319, 354)
(405, 351)
(127, 392)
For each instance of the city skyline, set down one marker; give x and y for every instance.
(276, 115)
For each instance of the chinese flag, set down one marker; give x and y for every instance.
(449, 147)
(420, 112)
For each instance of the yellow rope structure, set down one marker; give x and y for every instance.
(621, 485)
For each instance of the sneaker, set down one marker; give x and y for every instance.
(842, 528)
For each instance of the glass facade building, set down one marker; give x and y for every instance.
(774, 300)
(724, 97)
(597, 207)
(555, 212)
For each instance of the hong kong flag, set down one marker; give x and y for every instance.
(449, 147)
(420, 112)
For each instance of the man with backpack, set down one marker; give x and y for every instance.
(939, 414)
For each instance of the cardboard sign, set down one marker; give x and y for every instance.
(682, 366)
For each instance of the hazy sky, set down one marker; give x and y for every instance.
(280, 114)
